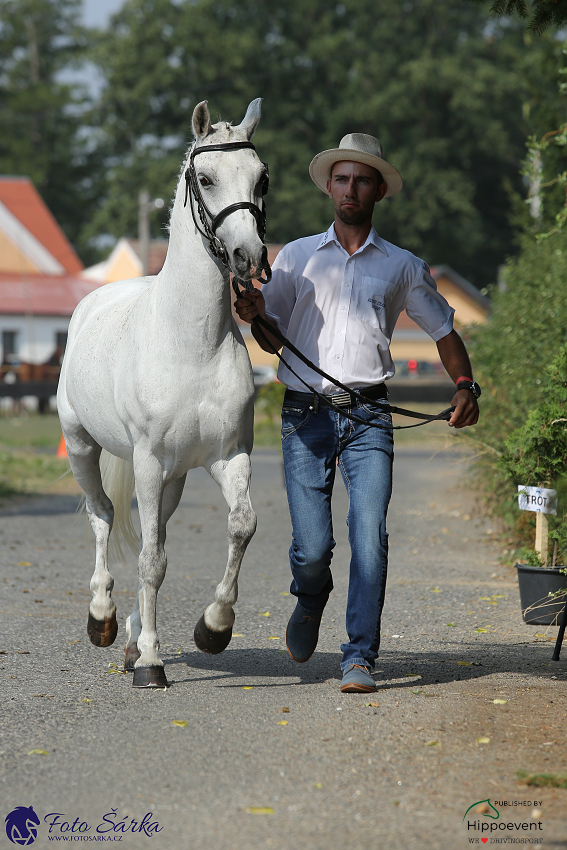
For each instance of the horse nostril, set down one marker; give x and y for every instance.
(240, 260)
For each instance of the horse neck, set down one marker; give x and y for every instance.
(192, 287)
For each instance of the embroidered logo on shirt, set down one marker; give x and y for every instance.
(378, 305)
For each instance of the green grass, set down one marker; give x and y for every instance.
(24, 473)
(30, 431)
(542, 780)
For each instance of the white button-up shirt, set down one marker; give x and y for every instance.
(340, 311)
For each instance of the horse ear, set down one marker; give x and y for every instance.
(252, 117)
(201, 120)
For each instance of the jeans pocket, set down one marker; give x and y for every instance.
(293, 417)
(377, 413)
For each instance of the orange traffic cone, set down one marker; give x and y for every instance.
(61, 448)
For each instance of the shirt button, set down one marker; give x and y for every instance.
(337, 356)
(343, 308)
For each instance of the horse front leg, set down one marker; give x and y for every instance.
(152, 564)
(170, 500)
(214, 630)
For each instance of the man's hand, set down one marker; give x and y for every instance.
(249, 305)
(466, 409)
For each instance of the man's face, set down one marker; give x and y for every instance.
(354, 190)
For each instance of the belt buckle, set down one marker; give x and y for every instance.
(342, 399)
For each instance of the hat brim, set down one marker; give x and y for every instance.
(320, 168)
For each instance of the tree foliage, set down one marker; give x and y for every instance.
(41, 115)
(541, 13)
(445, 98)
(535, 453)
(511, 354)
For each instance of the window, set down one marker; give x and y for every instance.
(9, 345)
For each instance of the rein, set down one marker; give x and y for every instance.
(210, 222)
(260, 323)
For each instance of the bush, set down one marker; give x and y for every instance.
(536, 453)
(510, 353)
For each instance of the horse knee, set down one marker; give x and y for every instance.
(152, 566)
(241, 525)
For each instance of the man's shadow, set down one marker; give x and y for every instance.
(394, 670)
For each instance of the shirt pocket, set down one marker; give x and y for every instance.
(372, 301)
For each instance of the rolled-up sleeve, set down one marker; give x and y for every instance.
(279, 294)
(427, 307)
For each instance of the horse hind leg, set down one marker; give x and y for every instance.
(213, 632)
(84, 454)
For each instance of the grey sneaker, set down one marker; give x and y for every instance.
(357, 680)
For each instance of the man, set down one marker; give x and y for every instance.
(336, 297)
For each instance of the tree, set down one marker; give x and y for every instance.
(443, 94)
(544, 13)
(40, 115)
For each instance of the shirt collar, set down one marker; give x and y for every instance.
(373, 239)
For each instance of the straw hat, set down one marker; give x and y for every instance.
(356, 147)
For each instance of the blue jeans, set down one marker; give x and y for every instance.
(314, 438)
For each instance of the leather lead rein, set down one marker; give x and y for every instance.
(444, 416)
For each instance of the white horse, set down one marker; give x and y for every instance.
(156, 373)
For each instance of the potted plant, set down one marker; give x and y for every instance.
(536, 457)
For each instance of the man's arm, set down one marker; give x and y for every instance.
(456, 361)
(248, 306)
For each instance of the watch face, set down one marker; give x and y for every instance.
(470, 385)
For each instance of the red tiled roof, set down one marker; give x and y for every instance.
(20, 197)
(42, 295)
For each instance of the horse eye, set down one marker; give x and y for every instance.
(204, 181)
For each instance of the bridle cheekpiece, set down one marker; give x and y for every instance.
(210, 222)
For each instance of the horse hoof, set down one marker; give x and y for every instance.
(149, 677)
(131, 655)
(102, 632)
(209, 641)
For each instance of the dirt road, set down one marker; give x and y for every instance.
(250, 750)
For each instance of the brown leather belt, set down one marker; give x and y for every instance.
(345, 399)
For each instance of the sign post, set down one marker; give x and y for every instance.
(543, 502)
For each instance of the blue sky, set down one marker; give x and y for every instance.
(96, 13)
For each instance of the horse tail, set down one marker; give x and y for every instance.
(119, 484)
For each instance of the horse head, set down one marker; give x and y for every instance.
(226, 182)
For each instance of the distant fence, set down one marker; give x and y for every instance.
(418, 391)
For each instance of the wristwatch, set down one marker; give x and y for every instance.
(469, 385)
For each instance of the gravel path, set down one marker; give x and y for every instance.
(326, 770)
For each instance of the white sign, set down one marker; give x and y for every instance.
(537, 499)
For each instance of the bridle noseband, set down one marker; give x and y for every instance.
(210, 222)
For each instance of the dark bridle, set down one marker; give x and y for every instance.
(210, 222)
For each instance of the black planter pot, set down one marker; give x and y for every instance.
(536, 583)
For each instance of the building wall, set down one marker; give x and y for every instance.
(14, 260)
(36, 339)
